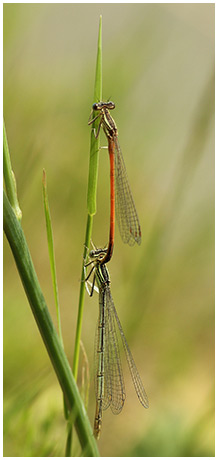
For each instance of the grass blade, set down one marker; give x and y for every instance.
(9, 178)
(95, 143)
(51, 252)
(20, 250)
(91, 201)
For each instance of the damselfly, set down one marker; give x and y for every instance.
(109, 381)
(126, 213)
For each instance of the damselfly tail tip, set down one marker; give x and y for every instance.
(97, 429)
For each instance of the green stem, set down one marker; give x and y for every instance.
(81, 298)
(95, 143)
(51, 253)
(91, 199)
(18, 244)
(9, 177)
(69, 439)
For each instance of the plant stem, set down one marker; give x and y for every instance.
(81, 298)
(18, 244)
(91, 200)
(51, 253)
(9, 177)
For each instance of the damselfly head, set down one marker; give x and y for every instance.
(97, 254)
(103, 105)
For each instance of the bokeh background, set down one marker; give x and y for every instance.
(158, 67)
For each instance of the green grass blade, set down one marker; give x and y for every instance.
(79, 321)
(91, 201)
(20, 250)
(85, 377)
(81, 298)
(94, 149)
(9, 177)
(91, 207)
(51, 252)
(53, 267)
(69, 439)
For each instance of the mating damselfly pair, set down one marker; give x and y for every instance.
(109, 381)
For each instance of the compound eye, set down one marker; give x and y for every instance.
(95, 106)
(111, 105)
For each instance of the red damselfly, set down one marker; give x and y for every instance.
(126, 213)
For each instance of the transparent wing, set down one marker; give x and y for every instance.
(114, 381)
(126, 213)
(139, 388)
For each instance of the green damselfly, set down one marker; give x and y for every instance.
(109, 381)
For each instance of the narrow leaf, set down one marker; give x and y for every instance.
(51, 251)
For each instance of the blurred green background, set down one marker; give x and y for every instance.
(158, 67)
